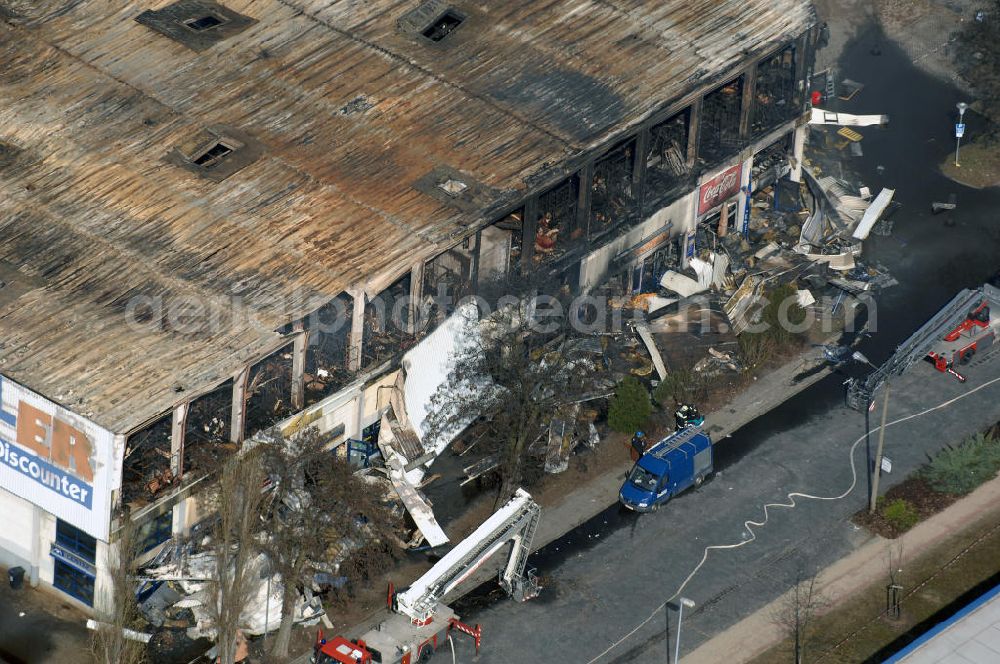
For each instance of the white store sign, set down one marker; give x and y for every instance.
(56, 459)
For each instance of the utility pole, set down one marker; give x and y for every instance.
(878, 454)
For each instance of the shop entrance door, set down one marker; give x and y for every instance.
(75, 554)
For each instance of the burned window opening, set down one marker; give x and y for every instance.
(500, 251)
(447, 279)
(443, 26)
(667, 169)
(771, 163)
(146, 469)
(774, 93)
(214, 154)
(329, 330)
(611, 188)
(204, 22)
(386, 323)
(268, 393)
(720, 123)
(206, 432)
(556, 232)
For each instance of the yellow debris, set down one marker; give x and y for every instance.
(850, 134)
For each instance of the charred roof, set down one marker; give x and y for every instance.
(280, 151)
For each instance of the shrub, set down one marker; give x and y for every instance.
(961, 468)
(629, 407)
(900, 514)
(757, 347)
(677, 386)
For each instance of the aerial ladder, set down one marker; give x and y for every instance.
(417, 622)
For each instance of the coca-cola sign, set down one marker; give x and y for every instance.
(719, 188)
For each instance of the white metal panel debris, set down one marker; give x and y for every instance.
(738, 306)
(821, 117)
(804, 298)
(263, 610)
(428, 365)
(682, 285)
(873, 213)
(416, 505)
(842, 261)
(647, 338)
(720, 265)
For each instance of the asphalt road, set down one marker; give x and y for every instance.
(608, 576)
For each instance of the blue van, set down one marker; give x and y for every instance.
(680, 460)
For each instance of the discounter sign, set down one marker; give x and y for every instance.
(55, 459)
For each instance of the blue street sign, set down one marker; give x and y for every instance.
(959, 129)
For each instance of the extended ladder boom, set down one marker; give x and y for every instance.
(515, 522)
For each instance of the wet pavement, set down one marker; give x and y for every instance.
(608, 575)
(36, 627)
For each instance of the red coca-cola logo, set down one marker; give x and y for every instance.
(719, 188)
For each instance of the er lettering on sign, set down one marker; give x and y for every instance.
(53, 439)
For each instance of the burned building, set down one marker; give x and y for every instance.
(220, 215)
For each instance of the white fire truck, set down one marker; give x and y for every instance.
(416, 622)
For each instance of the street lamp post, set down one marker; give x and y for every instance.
(858, 356)
(874, 469)
(878, 453)
(959, 128)
(684, 601)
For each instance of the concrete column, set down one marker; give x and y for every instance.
(474, 268)
(741, 200)
(357, 330)
(178, 423)
(299, 346)
(797, 153)
(238, 414)
(687, 233)
(360, 414)
(179, 522)
(585, 178)
(528, 239)
(416, 293)
(747, 103)
(642, 140)
(693, 125)
(36, 544)
(724, 219)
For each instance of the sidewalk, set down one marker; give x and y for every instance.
(755, 634)
(770, 391)
(586, 502)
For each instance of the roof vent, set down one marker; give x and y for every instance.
(198, 24)
(453, 187)
(431, 21)
(443, 26)
(456, 189)
(217, 153)
(205, 22)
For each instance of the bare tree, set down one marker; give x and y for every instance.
(797, 612)
(238, 502)
(316, 503)
(893, 589)
(118, 611)
(518, 369)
